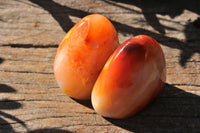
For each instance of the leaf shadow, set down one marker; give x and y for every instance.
(7, 104)
(187, 48)
(1, 60)
(5, 126)
(60, 13)
(149, 9)
(5, 88)
(173, 9)
(175, 110)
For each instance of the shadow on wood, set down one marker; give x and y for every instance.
(49, 130)
(172, 8)
(188, 48)
(173, 111)
(149, 9)
(163, 7)
(6, 89)
(86, 103)
(5, 126)
(60, 13)
(1, 60)
(7, 104)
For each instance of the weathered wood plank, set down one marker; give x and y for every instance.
(31, 30)
(35, 23)
(40, 60)
(57, 110)
(37, 88)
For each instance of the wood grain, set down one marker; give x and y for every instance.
(30, 99)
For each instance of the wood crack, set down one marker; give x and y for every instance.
(29, 46)
(26, 60)
(42, 100)
(25, 72)
(186, 85)
(38, 119)
(69, 125)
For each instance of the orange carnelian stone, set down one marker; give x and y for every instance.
(131, 78)
(83, 53)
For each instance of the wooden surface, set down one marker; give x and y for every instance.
(30, 99)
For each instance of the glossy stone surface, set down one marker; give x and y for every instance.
(83, 53)
(131, 78)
